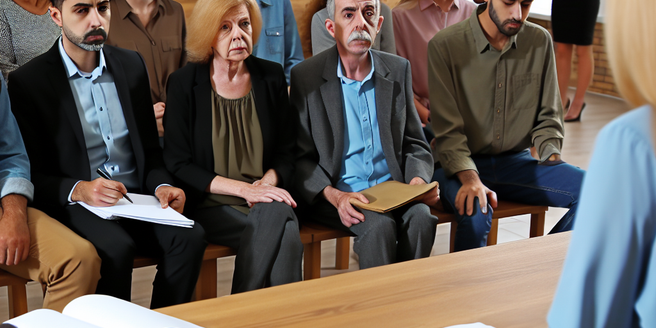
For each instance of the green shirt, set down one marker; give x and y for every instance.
(486, 101)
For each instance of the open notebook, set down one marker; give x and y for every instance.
(390, 195)
(145, 208)
(98, 311)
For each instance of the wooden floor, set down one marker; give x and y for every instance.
(579, 141)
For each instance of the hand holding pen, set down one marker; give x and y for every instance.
(98, 192)
(105, 175)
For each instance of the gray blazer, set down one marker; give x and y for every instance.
(316, 95)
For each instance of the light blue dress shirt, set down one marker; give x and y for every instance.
(609, 277)
(14, 164)
(279, 40)
(364, 164)
(106, 134)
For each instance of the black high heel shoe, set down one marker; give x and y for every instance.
(567, 104)
(578, 118)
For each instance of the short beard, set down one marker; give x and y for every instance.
(79, 41)
(500, 25)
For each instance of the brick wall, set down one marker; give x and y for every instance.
(602, 81)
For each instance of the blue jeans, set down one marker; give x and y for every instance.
(514, 177)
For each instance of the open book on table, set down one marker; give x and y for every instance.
(390, 195)
(145, 208)
(98, 311)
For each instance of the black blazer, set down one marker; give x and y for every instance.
(43, 103)
(188, 152)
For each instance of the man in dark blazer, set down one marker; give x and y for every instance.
(359, 127)
(80, 107)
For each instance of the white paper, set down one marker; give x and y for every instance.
(110, 312)
(471, 325)
(47, 318)
(145, 208)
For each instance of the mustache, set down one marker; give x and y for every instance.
(359, 36)
(99, 31)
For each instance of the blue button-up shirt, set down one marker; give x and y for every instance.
(279, 40)
(105, 132)
(14, 164)
(364, 164)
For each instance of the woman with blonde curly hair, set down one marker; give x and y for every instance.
(228, 140)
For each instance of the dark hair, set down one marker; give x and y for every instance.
(57, 3)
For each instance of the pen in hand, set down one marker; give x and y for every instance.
(106, 176)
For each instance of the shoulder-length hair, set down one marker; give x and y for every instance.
(205, 21)
(630, 28)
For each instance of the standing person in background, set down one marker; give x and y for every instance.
(26, 31)
(609, 277)
(279, 41)
(156, 30)
(573, 23)
(322, 40)
(415, 23)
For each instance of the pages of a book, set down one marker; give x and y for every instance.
(390, 195)
(145, 208)
(110, 312)
(47, 318)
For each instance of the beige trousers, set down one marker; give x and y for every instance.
(63, 262)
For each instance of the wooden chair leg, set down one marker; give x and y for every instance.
(17, 300)
(206, 285)
(452, 238)
(342, 252)
(312, 260)
(537, 225)
(492, 236)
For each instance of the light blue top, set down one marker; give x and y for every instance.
(105, 132)
(279, 40)
(364, 164)
(14, 164)
(609, 278)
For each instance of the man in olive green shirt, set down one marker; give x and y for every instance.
(493, 81)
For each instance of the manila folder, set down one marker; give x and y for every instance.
(391, 195)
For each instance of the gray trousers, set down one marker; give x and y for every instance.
(269, 248)
(404, 234)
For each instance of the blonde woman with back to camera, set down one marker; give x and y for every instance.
(228, 139)
(608, 279)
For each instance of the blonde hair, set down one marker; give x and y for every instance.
(204, 23)
(630, 28)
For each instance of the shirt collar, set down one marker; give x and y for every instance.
(346, 80)
(482, 44)
(71, 68)
(266, 2)
(423, 4)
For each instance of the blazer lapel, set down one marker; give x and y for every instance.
(58, 80)
(202, 96)
(122, 87)
(384, 101)
(331, 94)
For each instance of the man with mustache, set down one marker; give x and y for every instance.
(83, 106)
(493, 88)
(359, 127)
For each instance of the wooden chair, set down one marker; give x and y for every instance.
(504, 209)
(16, 293)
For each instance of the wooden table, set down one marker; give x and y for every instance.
(507, 285)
